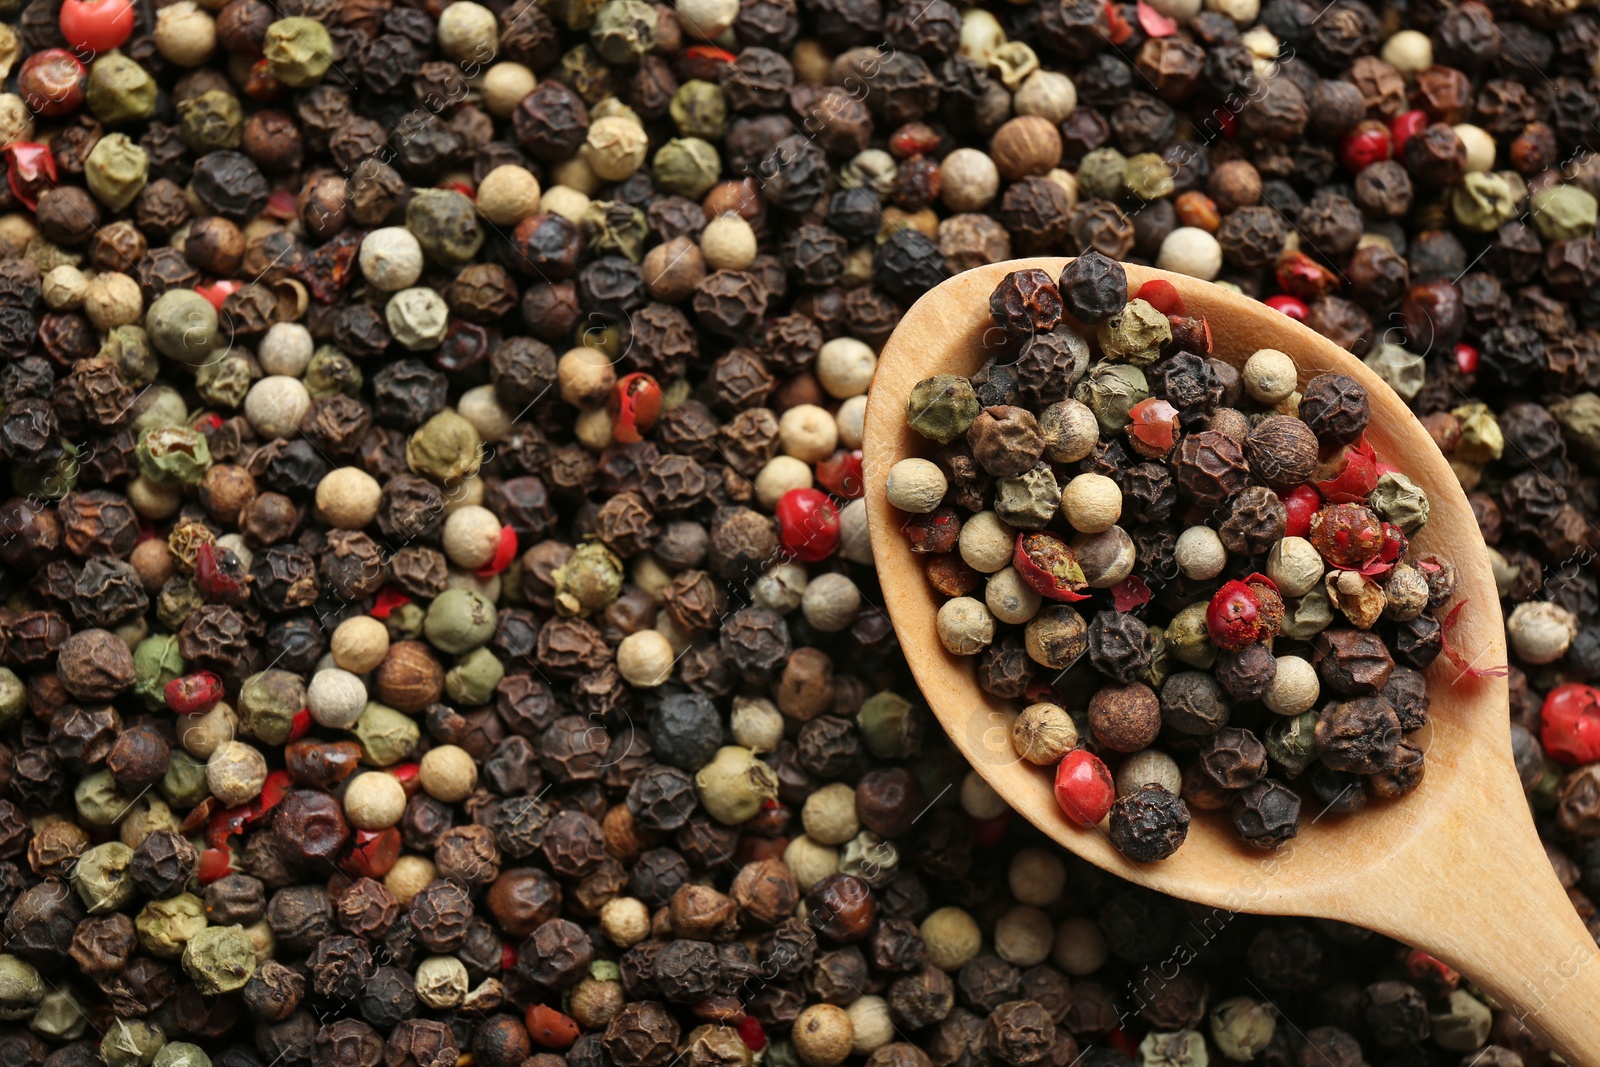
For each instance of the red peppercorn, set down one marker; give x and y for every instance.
(386, 601)
(1569, 724)
(1300, 275)
(194, 694)
(1466, 358)
(1301, 503)
(508, 956)
(913, 139)
(1349, 536)
(215, 864)
(372, 853)
(752, 1033)
(549, 1028)
(1394, 544)
(1084, 787)
(1048, 563)
(409, 775)
(218, 292)
(1153, 22)
(1370, 142)
(272, 791)
(504, 552)
(30, 170)
(808, 524)
(1358, 479)
(1233, 618)
(986, 833)
(224, 823)
(1404, 125)
(95, 26)
(220, 580)
(51, 82)
(300, 725)
(1153, 427)
(635, 406)
(1163, 296)
(1291, 306)
(840, 474)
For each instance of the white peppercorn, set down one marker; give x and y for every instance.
(616, 147)
(1295, 687)
(852, 421)
(728, 242)
(508, 194)
(829, 814)
(235, 773)
(965, 625)
(779, 475)
(1408, 52)
(986, 542)
(969, 180)
(978, 798)
(952, 938)
(504, 86)
(807, 432)
(275, 405)
(417, 317)
(756, 723)
(1192, 251)
(810, 861)
(468, 32)
(1199, 553)
(1037, 878)
(870, 1025)
(287, 347)
(845, 367)
(645, 659)
(831, 602)
(1080, 946)
(1149, 766)
(855, 542)
(442, 982)
(348, 498)
(1541, 631)
(1043, 733)
(1295, 566)
(915, 485)
(1091, 503)
(391, 259)
(1023, 936)
(1269, 376)
(359, 644)
(448, 773)
(1010, 598)
(374, 800)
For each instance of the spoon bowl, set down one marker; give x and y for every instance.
(1455, 868)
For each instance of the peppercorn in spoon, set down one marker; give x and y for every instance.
(1455, 867)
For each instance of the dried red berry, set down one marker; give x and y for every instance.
(30, 169)
(1153, 427)
(504, 553)
(1370, 142)
(1466, 358)
(1348, 536)
(840, 474)
(1084, 787)
(372, 853)
(1049, 565)
(635, 407)
(1163, 296)
(1233, 618)
(808, 524)
(1302, 276)
(1301, 503)
(1569, 724)
(1403, 125)
(194, 694)
(1291, 306)
(1357, 479)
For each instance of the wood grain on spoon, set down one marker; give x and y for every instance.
(1455, 868)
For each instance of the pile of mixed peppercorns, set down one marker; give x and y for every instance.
(1246, 545)
(437, 616)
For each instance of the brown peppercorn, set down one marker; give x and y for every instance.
(1209, 467)
(1125, 718)
(1006, 441)
(1025, 146)
(410, 678)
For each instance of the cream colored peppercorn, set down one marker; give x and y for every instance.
(1295, 566)
(585, 377)
(1408, 52)
(391, 259)
(1023, 936)
(965, 625)
(779, 475)
(1295, 687)
(1540, 631)
(348, 498)
(359, 644)
(275, 405)
(852, 420)
(829, 814)
(855, 540)
(823, 1036)
(1200, 553)
(978, 798)
(235, 773)
(374, 800)
(756, 723)
(63, 288)
(625, 921)
(504, 86)
(1481, 150)
(1010, 598)
(1037, 877)
(916, 485)
(201, 735)
(442, 982)
(871, 1027)
(417, 318)
(968, 180)
(1192, 251)
(1180, 10)
(508, 194)
(410, 875)
(831, 602)
(1043, 733)
(845, 367)
(471, 537)
(645, 659)
(615, 147)
(951, 937)
(728, 242)
(571, 204)
(1048, 94)
(1091, 503)
(1149, 766)
(468, 32)
(808, 433)
(448, 773)
(336, 698)
(1269, 376)
(1242, 12)
(185, 35)
(112, 299)
(1080, 948)
(593, 429)
(981, 34)
(481, 406)
(986, 542)
(810, 861)
(287, 348)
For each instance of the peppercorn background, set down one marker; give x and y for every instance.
(604, 858)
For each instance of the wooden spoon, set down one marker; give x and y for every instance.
(1455, 868)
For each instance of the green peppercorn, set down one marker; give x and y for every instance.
(686, 166)
(115, 170)
(1110, 390)
(417, 318)
(60, 1015)
(21, 988)
(445, 223)
(128, 348)
(1100, 174)
(1242, 1028)
(173, 455)
(472, 680)
(1464, 1025)
(1399, 500)
(1182, 1048)
(1161, 665)
(700, 109)
(1564, 212)
(119, 90)
(942, 407)
(611, 226)
(98, 800)
(155, 663)
(870, 858)
(131, 1043)
(890, 726)
(1135, 334)
(224, 382)
(220, 959)
(101, 877)
(165, 926)
(734, 785)
(13, 697)
(459, 620)
(1579, 419)
(268, 703)
(445, 449)
(299, 51)
(1188, 639)
(588, 581)
(386, 736)
(1481, 439)
(1030, 500)
(51, 481)
(1148, 176)
(160, 405)
(212, 121)
(1483, 201)
(331, 372)
(624, 31)
(184, 784)
(182, 325)
(1402, 371)
(1307, 617)
(405, 622)
(181, 1054)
